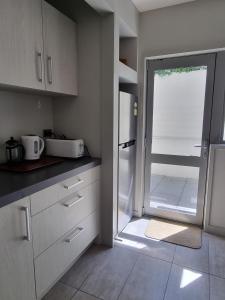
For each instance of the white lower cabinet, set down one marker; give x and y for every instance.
(51, 264)
(36, 250)
(64, 226)
(16, 253)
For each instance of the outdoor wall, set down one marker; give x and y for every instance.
(197, 25)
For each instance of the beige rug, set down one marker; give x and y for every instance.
(174, 232)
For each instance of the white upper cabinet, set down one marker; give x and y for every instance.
(38, 47)
(60, 49)
(21, 43)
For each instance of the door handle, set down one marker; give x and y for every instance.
(69, 187)
(201, 146)
(75, 234)
(49, 69)
(39, 66)
(205, 147)
(72, 203)
(27, 216)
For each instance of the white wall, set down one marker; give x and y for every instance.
(192, 26)
(23, 114)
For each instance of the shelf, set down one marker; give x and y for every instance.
(126, 74)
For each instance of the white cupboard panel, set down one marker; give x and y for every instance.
(51, 264)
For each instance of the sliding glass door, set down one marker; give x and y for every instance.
(179, 103)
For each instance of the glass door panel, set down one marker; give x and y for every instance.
(178, 126)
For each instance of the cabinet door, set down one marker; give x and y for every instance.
(21, 43)
(60, 49)
(16, 253)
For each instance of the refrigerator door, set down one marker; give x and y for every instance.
(127, 118)
(127, 153)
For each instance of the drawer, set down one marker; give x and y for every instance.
(43, 199)
(69, 186)
(51, 264)
(47, 197)
(52, 223)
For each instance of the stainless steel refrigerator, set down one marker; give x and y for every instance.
(127, 157)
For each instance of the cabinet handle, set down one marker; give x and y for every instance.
(39, 66)
(71, 204)
(27, 215)
(49, 69)
(69, 187)
(75, 234)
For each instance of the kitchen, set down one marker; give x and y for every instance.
(73, 77)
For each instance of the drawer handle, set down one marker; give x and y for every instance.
(74, 235)
(69, 187)
(72, 203)
(27, 216)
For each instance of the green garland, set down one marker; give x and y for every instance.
(168, 72)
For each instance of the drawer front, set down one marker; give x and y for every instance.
(47, 197)
(52, 223)
(69, 186)
(51, 264)
(43, 199)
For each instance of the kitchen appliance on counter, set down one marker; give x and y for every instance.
(14, 151)
(33, 145)
(65, 148)
(127, 157)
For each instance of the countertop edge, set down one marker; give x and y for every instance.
(32, 189)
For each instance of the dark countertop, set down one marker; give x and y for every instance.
(15, 186)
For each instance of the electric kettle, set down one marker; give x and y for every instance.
(14, 151)
(33, 145)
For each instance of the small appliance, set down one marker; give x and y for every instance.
(65, 148)
(14, 151)
(33, 145)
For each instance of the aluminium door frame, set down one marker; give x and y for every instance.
(208, 59)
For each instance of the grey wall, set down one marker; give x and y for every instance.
(80, 117)
(23, 114)
(198, 25)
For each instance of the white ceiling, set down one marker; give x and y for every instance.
(145, 5)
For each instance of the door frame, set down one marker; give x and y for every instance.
(166, 63)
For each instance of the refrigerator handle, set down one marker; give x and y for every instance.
(128, 144)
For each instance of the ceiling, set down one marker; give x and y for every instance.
(145, 5)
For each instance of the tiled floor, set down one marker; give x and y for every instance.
(138, 268)
(174, 193)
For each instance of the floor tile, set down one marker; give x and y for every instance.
(189, 195)
(186, 284)
(133, 237)
(60, 292)
(217, 288)
(217, 256)
(83, 267)
(83, 296)
(109, 276)
(147, 281)
(197, 259)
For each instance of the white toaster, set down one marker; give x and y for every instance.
(65, 148)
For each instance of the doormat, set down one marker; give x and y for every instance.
(173, 232)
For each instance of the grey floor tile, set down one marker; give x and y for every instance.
(147, 281)
(133, 238)
(217, 288)
(84, 266)
(83, 296)
(186, 284)
(217, 256)
(60, 292)
(155, 181)
(197, 259)
(171, 186)
(189, 195)
(109, 276)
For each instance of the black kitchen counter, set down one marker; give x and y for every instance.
(15, 186)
